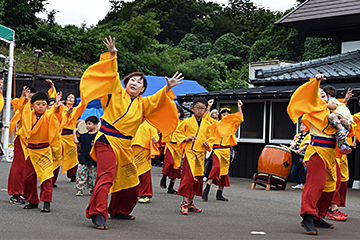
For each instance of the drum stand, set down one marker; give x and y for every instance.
(269, 181)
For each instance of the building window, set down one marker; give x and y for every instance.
(282, 129)
(253, 127)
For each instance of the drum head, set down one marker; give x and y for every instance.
(277, 147)
(82, 127)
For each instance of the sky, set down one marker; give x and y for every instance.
(76, 12)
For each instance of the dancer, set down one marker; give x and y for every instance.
(320, 154)
(124, 110)
(219, 174)
(172, 158)
(144, 149)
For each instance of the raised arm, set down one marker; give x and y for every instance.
(175, 80)
(101, 78)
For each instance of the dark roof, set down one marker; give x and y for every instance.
(345, 67)
(53, 77)
(325, 18)
(265, 92)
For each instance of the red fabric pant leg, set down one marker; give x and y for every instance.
(30, 182)
(56, 174)
(46, 191)
(71, 173)
(123, 201)
(145, 186)
(215, 170)
(343, 192)
(188, 186)
(168, 167)
(336, 196)
(224, 181)
(16, 174)
(106, 168)
(314, 201)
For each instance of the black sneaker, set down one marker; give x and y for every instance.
(322, 224)
(308, 224)
(99, 222)
(46, 207)
(123, 216)
(30, 206)
(17, 199)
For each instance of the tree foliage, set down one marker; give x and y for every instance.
(209, 43)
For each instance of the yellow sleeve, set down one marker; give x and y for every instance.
(26, 118)
(306, 101)
(1, 101)
(54, 131)
(228, 125)
(52, 93)
(100, 79)
(161, 112)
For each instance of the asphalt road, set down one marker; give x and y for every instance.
(275, 213)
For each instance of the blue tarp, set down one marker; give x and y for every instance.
(154, 84)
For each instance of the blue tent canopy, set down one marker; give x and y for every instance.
(154, 84)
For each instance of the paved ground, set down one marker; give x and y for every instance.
(274, 212)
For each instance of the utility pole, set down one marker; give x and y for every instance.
(38, 53)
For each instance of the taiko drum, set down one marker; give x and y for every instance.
(275, 160)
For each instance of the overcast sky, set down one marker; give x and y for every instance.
(91, 11)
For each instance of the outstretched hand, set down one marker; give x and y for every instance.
(110, 44)
(240, 104)
(320, 77)
(58, 102)
(50, 82)
(175, 80)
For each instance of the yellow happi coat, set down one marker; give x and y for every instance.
(229, 124)
(124, 114)
(41, 133)
(16, 123)
(68, 124)
(171, 143)
(143, 148)
(306, 101)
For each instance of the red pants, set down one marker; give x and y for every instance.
(339, 197)
(168, 167)
(56, 174)
(145, 187)
(121, 202)
(215, 170)
(71, 173)
(30, 189)
(188, 186)
(16, 174)
(224, 181)
(314, 201)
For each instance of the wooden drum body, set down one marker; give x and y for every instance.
(275, 160)
(274, 166)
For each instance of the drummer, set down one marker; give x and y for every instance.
(300, 142)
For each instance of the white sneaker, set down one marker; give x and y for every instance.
(299, 186)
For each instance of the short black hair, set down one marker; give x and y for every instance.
(140, 74)
(92, 119)
(200, 100)
(39, 96)
(330, 90)
(180, 110)
(75, 101)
